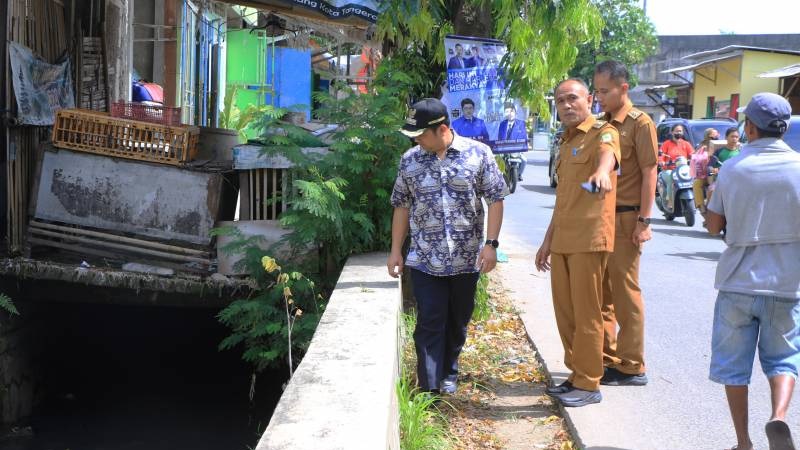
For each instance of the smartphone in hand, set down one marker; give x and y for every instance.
(590, 187)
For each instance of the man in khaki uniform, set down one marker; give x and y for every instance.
(623, 351)
(580, 237)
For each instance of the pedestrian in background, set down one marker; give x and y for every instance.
(699, 169)
(437, 196)
(579, 239)
(623, 350)
(758, 275)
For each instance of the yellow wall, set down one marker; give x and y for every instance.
(727, 83)
(756, 63)
(749, 65)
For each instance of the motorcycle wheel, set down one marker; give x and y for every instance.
(688, 211)
(513, 173)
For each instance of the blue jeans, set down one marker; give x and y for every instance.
(744, 322)
(444, 309)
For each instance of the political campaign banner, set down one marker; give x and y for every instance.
(476, 95)
(40, 88)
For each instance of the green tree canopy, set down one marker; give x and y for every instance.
(628, 36)
(542, 37)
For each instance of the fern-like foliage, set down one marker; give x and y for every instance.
(8, 305)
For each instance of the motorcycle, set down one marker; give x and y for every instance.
(512, 162)
(674, 195)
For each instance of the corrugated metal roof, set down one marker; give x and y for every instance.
(732, 55)
(787, 71)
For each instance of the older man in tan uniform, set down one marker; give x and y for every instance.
(623, 351)
(579, 240)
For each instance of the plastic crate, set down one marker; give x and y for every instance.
(164, 115)
(98, 132)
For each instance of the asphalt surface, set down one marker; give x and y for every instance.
(680, 408)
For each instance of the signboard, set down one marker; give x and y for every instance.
(40, 88)
(476, 95)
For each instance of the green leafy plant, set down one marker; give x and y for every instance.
(233, 118)
(8, 305)
(542, 38)
(340, 200)
(279, 320)
(422, 425)
(483, 308)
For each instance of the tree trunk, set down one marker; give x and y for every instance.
(470, 19)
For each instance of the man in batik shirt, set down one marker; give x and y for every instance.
(437, 196)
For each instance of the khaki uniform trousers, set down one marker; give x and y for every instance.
(622, 301)
(577, 283)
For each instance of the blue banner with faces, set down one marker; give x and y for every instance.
(476, 95)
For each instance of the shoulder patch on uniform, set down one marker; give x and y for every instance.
(606, 138)
(599, 124)
(635, 113)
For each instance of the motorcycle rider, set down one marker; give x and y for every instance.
(675, 147)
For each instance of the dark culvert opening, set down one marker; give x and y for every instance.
(144, 377)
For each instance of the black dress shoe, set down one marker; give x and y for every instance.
(576, 398)
(559, 389)
(613, 377)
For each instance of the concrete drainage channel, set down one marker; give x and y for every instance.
(342, 395)
(142, 377)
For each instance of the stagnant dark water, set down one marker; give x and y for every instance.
(145, 378)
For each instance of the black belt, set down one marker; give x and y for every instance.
(626, 208)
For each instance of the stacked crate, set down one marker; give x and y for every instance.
(100, 133)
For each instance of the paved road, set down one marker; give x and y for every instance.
(679, 409)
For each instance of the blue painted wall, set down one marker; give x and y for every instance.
(293, 79)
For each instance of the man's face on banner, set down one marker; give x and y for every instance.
(511, 114)
(459, 50)
(468, 109)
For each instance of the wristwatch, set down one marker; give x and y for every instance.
(493, 242)
(644, 220)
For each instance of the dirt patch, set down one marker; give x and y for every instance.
(500, 403)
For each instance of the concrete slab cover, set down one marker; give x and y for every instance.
(342, 396)
(121, 195)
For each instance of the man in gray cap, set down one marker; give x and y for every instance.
(757, 202)
(437, 200)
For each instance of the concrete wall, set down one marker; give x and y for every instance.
(147, 199)
(342, 395)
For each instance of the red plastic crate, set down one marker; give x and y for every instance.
(163, 115)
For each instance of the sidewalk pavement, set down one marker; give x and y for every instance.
(623, 420)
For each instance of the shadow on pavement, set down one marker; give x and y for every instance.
(540, 189)
(605, 448)
(686, 232)
(700, 256)
(669, 223)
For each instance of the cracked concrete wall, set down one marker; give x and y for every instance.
(121, 195)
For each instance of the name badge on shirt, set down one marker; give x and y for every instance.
(574, 151)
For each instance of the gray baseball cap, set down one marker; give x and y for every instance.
(768, 112)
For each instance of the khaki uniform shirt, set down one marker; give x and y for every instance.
(639, 149)
(582, 222)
